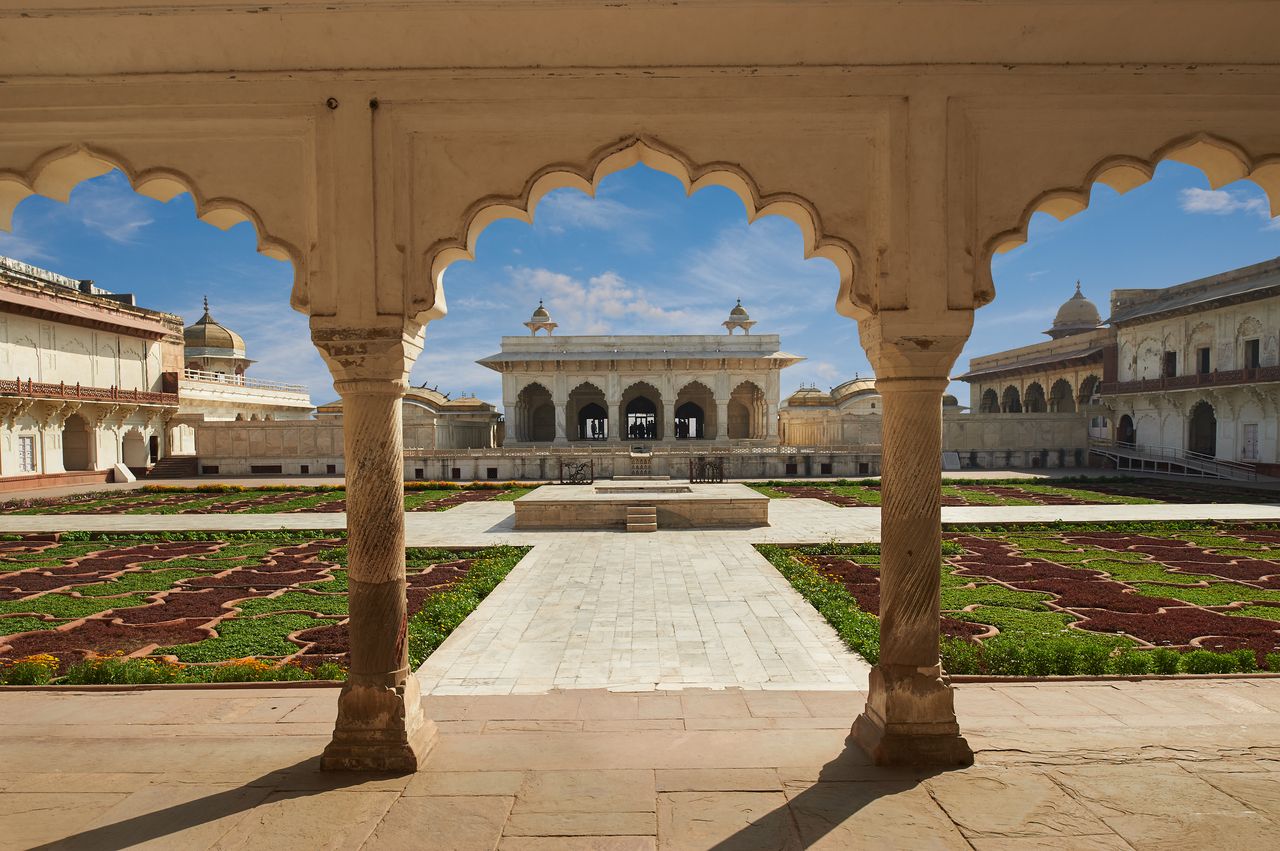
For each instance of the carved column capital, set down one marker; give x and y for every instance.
(913, 344)
(374, 359)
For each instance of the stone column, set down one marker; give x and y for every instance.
(617, 428)
(722, 420)
(771, 422)
(910, 716)
(561, 434)
(381, 725)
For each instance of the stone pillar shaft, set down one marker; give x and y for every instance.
(722, 419)
(617, 427)
(380, 723)
(910, 715)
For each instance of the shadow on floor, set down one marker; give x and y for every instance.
(300, 780)
(845, 785)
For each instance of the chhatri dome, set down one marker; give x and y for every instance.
(1076, 316)
(738, 318)
(213, 347)
(540, 320)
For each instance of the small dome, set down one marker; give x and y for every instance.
(738, 312)
(1076, 316)
(949, 401)
(540, 314)
(212, 338)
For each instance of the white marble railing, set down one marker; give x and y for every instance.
(241, 381)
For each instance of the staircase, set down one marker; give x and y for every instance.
(642, 518)
(174, 467)
(1171, 462)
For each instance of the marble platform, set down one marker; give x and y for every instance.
(679, 505)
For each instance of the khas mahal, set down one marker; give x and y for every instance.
(95, 388)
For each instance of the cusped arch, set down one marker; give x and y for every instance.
(854, 299)
(56, 173)
(1221, 160)
(694, 385)
(642, 386)
(586, 387)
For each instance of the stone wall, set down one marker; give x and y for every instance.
(997, 441)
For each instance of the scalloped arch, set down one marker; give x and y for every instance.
(1221, 160)
(56, 173)
(633, 385)
(640, 150)
(693, 383)
(745, 382)
(590, 388)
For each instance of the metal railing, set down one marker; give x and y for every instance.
(1220, 378)
(42, 390)
(1162, 459)
(706, 470)
(577, 472)
(241, 381)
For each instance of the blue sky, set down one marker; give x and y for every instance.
(640, 258)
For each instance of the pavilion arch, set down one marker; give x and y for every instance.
(1062, 397)
(748, 410)
(1222, 161)
(1011, 400)
(56, 173)
(643, 410)
(990, 403)
(535, 414)
(854, 300)
(1033, 399)
(587, 413)
(1088, 389)
(695, 412)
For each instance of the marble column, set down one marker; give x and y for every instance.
(722, 420)
(380, 725)
(561, 433)
(617, 427)
(909, 717)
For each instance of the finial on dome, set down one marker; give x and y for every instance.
(1078, 289)
(540, 321)
(1076, 316)
(738, 318)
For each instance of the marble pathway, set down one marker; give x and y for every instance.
(483, 523)
(634, 612)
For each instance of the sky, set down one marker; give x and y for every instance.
(639, 258)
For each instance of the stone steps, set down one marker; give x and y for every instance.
(642, 518)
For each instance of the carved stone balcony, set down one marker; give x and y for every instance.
(1219, 378)
(30, 389)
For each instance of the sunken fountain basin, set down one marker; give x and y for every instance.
(679, 505)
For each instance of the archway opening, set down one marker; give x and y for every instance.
(77, 440)
(593, 422)
(535, 414)
(748, 410)
(1034, 402)
(1202, 430)
(134, 450)
(990, 402)
(1126, 434)
(1062, 397)
(690, 421)
(1011, 401)
(695, 412)
(642, 418)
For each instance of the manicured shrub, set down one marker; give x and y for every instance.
(1208, 662)
(328, 671)
(117, 670)
(1165, 661)
(959, 656)
(1091, 660)
(1273, 662)
(1002, 657)
(1131, 663)
(1246, 660)
(248, 670)
(37, 670)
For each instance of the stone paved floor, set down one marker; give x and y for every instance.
(659, 610)
(1159, 765)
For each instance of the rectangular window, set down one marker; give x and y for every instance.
(305, 469)
(209, 470)
(456, 473)
(824, 469)
(1170, 364)
(864, 469)
(491, 472)
(1252, 354)
(418, 473)
(331, 469)
(1202, 360)
(266, 469)
(26, 453)
(792, 469)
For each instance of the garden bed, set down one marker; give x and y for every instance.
(1074, 599)
(866, 492)
(197, 600)
(264, 499)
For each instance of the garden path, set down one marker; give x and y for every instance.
(635, 612)
(487, 523)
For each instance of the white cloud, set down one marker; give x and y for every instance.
(603, 304)
(1039, 313)
(111, 208)
(568, 209)
(1220, 202)
(23, 248)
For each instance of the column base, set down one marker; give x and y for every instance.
(910, 720)
(380, 728)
